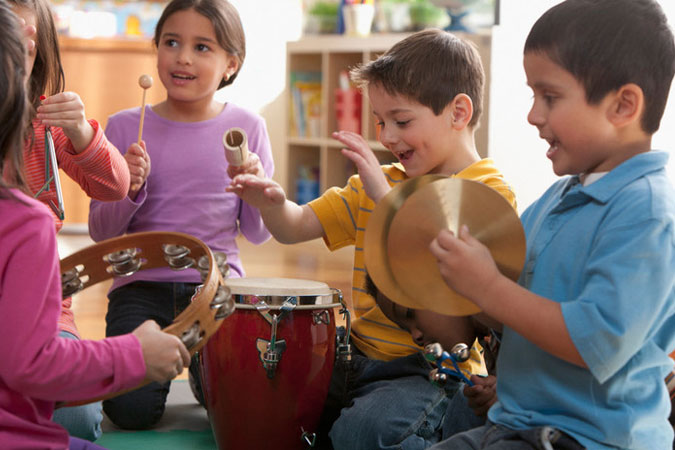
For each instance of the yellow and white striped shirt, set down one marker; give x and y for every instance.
(344, 213)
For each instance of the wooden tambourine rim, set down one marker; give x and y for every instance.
(94, 270)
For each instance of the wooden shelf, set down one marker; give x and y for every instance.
(329, 55)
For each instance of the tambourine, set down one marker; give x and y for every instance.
(125, 255)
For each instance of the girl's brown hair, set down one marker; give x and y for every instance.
(226, 23)
(12, 102)
(47, 76)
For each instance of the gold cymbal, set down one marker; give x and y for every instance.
(448, 203)
(375, 239)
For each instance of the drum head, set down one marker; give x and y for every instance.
(277, 286)
(248, 292)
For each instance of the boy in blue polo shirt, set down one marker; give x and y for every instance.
(589, 326)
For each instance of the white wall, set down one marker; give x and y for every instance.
(514, 144)
(259, 87)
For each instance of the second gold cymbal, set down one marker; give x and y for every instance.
(447, 204)
(375, 239)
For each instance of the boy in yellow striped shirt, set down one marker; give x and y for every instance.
(426, 93)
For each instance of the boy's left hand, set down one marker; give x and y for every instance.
(369, 167)
(252, 165)
(66, 110)
(465, 263)
(482, 395)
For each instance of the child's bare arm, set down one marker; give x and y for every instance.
(286, 220)
(164, 354)
(468, 268)
(370, 171)
(66, 110)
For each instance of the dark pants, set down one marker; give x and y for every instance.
(131, 305)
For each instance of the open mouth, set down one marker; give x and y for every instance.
(553, 147)
(180, 76)
(405, 155)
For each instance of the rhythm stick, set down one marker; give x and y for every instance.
(145, 81)
(236, 146)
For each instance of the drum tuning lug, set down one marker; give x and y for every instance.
(309, 438)
(223, 302)
(71, 282)
(270, 354)
(321, 317)
(191, 337)
(344, 353)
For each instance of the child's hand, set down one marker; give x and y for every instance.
(138, 162)
(482, 394)
(164, 354)
(252, 165)
(259, 192)
(66, 110)
(465, 263)
(370, 171)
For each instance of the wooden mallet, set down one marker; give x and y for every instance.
(145, 81)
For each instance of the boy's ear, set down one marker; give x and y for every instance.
(627, 105)
(461, 111)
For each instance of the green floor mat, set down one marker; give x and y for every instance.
(165, 440)
(184, 425)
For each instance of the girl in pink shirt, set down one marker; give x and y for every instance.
(38, 368)
(82, 152)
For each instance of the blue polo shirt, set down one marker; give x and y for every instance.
(606, 252)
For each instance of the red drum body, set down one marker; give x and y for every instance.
(266, 373)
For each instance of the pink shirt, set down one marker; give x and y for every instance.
(37, 368)
(100, 170)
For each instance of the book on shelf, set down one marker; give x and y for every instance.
(305, 104)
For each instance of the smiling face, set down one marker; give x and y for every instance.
(580, 135)
(190, 62)
(418, 138)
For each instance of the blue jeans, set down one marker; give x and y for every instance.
(386, 404)
(497, 437)
(80, 421)
(131, 305)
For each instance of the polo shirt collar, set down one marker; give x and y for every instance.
(603, 189)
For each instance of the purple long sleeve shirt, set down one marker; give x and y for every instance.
(37, 367)
(185, 191)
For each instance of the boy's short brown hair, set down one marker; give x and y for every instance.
(430, 67)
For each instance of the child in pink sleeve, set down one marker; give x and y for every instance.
(38, 367)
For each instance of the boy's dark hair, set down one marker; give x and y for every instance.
(13, 102)
(47, 76)
(606, 44)
(430, 67)
(226, 23)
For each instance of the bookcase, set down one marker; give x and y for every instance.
(318, 61)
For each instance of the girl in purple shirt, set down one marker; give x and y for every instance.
(200, 49)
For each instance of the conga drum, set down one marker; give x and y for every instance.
(266, 375)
